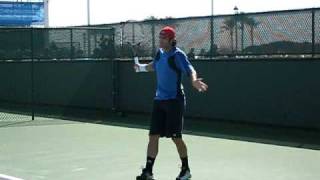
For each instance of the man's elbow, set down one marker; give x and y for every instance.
(150, 68)
(193, 72)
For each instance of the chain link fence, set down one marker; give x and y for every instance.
(21, 49)
(56, 43)
(27, 83)
(15, 44)
(292, 32)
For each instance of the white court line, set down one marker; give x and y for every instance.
(6, 177)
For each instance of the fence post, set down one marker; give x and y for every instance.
(242, 33)
(236, 35)
(211, 37)
(32, 72)
(71, 44)
(133, 33)
(115, 89)
(153, 39)
(313, 32)
(122, 38)
(89, 42)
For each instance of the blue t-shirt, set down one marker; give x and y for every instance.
(169, 68)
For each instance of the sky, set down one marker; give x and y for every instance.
(74, 12)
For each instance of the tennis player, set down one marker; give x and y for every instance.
(169, 104)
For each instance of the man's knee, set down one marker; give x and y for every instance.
(154, 138)
(178, 140)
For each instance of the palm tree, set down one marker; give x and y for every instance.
(245, 21)
(252, 23)
(242, 18)
(229, 25)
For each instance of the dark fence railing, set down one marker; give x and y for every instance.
(292, 32)
(56, 43)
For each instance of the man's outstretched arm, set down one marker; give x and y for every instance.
(186, 67)
(150, 67)
(196, 82)
(144, 67)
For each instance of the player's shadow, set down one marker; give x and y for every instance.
(266, 134)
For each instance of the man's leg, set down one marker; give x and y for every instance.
(155, 132)
(174, 126)
(183, 152)
(152, 152)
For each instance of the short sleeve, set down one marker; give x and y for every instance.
(183, 63)
(155, 59)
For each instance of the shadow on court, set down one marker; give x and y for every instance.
(266, 134)
(242, 131)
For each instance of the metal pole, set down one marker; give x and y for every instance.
(71, 45)
(46, 13)
(122, 34)
(153, 39)
(133, 33)
(114, 65)
(236, 9)
(242, 34)
(121, 39)
(32, 73)
(88, 12)
(89, 42)
(212, 29)
(313, 32)
(236, 23)
(212, 7)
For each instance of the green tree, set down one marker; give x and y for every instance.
(252, 23)
(247, 21)
(229, 25)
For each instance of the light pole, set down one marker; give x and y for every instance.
(46, 13)
(88, 12)
(212, 7)
(236, 10)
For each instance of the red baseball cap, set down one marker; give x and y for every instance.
(168, 32)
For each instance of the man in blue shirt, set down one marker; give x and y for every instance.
(169, 65)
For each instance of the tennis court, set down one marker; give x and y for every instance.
(73, 108)
(61, 149)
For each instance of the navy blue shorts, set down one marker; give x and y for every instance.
(167, 118)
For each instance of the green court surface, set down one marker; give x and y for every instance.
(68, 150)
